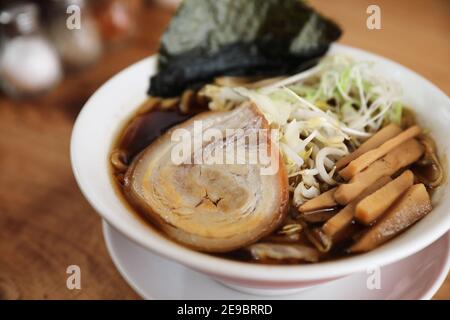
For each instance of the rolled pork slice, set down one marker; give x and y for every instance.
(212, 207)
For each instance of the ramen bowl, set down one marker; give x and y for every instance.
(106, 112)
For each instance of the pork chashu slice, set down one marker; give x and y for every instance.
(212, 207)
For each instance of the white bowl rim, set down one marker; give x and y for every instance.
(230, 269)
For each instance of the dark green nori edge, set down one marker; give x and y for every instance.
(210, 38)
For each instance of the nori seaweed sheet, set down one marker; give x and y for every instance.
(210, 38)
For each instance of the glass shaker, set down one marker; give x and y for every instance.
(29, 65)
(74, 32)
(116, 19)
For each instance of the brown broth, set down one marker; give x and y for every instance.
(146, 125)
(145, 128)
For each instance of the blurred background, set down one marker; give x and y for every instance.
(45, 43)
(49, 68)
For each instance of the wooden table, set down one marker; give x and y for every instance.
(47, 225)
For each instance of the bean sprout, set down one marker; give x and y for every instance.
(319, 113)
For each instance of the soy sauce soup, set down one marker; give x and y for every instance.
(155, 117)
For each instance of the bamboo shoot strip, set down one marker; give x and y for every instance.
(371, 156)
(375, 141)
(373, 206)
(324, 200)
(413, 205)
(344, 217)
(401, 157)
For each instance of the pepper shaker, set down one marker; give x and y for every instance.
(29, 65)
(79, 46)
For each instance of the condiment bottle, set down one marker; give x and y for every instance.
(116, 19)
(29, 65)
(74, 32)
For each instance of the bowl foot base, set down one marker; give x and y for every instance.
(262, 291)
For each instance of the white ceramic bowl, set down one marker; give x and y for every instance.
(104, 115)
